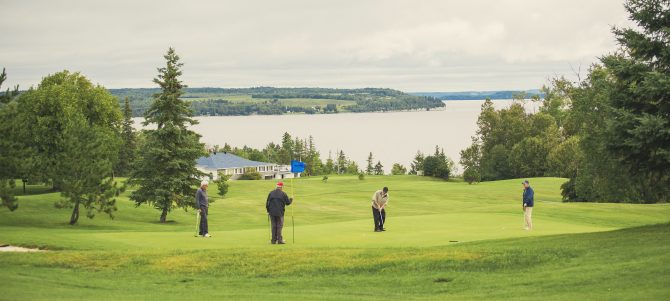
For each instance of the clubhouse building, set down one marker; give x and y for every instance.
(236, 166)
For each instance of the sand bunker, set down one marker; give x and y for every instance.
(8, 248)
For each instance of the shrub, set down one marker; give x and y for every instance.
(251, 175)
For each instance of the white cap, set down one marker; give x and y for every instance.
(204, 182)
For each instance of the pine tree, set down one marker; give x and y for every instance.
(342, 163)
(314, 164)
(286, 153)
(8, 147)
(638, 134)
(370, 168)
(330, 165)
(222, 184)
(129, 147)
(165, 169)
(379, 168)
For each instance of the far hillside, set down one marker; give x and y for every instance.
(277, 101)
(479, 95)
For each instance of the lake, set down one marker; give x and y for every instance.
(392, 137)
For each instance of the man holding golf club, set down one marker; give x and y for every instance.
(528, 202)
(379, 201)
(203, 207)
(275, 205)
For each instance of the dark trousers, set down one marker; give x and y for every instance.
(379, 218)
(277, 225)
(204, 229)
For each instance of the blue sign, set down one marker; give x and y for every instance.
(297, 166)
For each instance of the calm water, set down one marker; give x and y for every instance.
(391, 137)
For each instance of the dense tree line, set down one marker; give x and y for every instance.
(298, 149)
(222, 107)
(398, 103)
(609, 134)
(478, 95)
(304, 150)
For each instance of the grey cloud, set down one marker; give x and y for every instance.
(408, 45)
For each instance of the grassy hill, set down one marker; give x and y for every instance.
(445, 240)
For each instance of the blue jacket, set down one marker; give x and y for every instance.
(528, 197)
(201, 198)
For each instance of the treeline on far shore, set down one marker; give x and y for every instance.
(278, 101)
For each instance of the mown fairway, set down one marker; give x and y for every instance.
(445, 240)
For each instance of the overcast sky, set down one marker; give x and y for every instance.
(407, 45)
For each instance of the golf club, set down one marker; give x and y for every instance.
(197, 223)
(381, 218)
(292, 220)
(270, 226)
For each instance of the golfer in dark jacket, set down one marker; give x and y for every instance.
(277, 200)
(203, 207)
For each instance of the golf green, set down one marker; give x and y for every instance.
(444, 240)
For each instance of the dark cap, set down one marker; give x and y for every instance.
(386, 189)
(525, 182)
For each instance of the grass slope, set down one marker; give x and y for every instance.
(583, 251)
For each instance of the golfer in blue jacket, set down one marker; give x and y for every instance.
(528, 202)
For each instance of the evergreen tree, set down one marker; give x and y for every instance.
(370, 168)
(417, 164)
(330, 165)
(299, 150)
(8, 147)
(342, 163)
(639, 96)
(379, 168)
(286, 153)
(129, 147)
(165, 169)
(8, 95)
(314, 164)
(222, 184)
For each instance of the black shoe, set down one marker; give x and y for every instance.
(377, 230)
(273, 242)
(281, 242)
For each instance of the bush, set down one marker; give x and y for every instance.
(361, 176)
(398, 169)
(472, 175)
(251, 175)
(222, 183)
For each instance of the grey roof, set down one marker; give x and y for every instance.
(227, 160)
